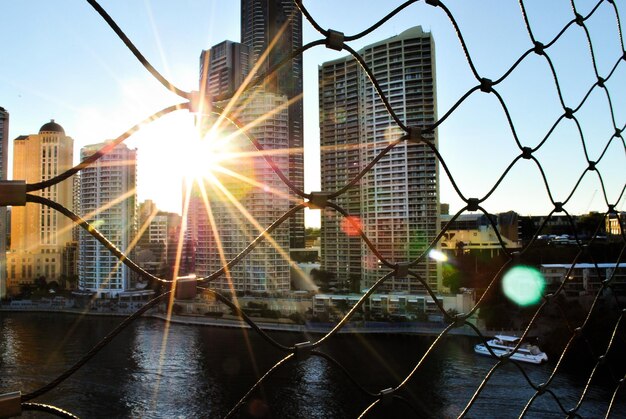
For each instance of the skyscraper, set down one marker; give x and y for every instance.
(224, 67)
(108, 201)
(4, 144)
(241, 197)
(273, 30)
(39, 234)
(396, 203)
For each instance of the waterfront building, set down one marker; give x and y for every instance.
(40, 234)
(108, 201)
(474, 234)
(4, 150)
(273, 30)
(397, 202)
(394, 305)
(613, 223)
(226, 213)
(585, 279)
(228, 210)
(224, 68)
(157, 240)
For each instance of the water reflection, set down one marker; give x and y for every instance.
(204, 372)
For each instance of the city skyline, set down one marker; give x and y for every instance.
(418, 136)
(67, 93)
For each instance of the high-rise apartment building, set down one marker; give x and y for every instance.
(224, 67)
(273, 30)
(4, 145)
(397, 202)
(39, 234)
(108, 201)
(158, 230)
(243, 197)
(229, 211)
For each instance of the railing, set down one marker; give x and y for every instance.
(338, 41)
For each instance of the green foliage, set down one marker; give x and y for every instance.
(451, 278)
(312, 233)
(297, 318)
(41, 283)
(342, 306)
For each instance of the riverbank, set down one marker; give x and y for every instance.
(360, 327)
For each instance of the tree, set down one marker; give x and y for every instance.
(312, 233)
(451, 278)
(342, 306)
(297, 318)
(355, 283)
(41, 283)
(72, 281)
(26, 290)
(323, 279)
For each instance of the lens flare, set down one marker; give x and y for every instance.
(523, 285)
(351, 225)
(437, 255)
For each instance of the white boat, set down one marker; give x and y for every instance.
(503, 345)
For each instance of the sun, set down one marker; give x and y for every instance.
(203, 155)
(173, 151)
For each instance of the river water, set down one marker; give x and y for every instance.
(201, 372)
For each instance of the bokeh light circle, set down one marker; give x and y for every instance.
(523, 285)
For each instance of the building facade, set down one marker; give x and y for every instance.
(157, 230)
(108, 201)
(397, 202)
(238, 201)
(614, 222)
(233, 206)
(4, 149)
(223, 68)
(40, 234)
(585, 279)
(474, 233)
(273, 30)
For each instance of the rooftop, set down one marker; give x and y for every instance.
(51, 127)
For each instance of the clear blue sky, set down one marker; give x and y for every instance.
(60, 60)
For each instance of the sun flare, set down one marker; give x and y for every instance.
(203, 153)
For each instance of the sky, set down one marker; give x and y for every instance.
(61, 60)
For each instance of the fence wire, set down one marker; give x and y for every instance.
(322, 200)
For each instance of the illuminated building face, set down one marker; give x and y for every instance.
(39, 234)
(108, 201)
(397, 201)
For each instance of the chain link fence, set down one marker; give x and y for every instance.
(578, 331)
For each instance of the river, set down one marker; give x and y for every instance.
(196, 371)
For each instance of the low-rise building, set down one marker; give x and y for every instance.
(409, 306)
(613, 227)
(584, 278)
(474, 233)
